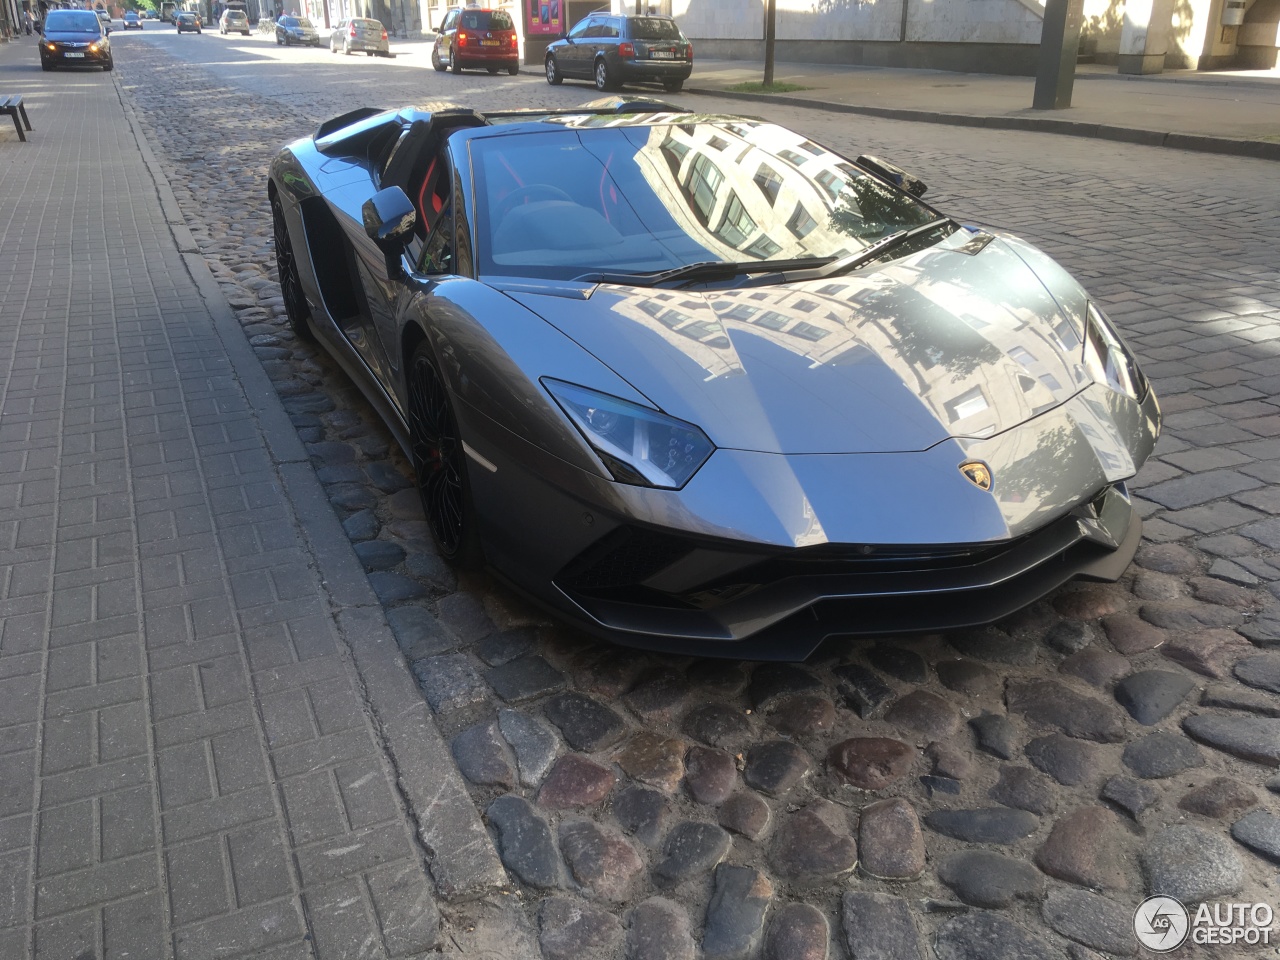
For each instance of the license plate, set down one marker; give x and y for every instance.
(73, 55)
(662, 54)
(490, 43)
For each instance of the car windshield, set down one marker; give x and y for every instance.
(368, 24)
(72, 21)
(643, 199)
(654, 28)
(304, 22)
(486, 20)
(236, 15)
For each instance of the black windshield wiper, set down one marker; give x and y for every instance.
(866, 255)
(703, 270)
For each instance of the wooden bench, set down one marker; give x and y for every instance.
(14, 108)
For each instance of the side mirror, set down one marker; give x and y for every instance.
(895, 175)
(388, 216)
(107, 30)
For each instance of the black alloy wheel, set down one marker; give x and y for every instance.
(295, 301)
(455, 65)
(440, 463)
(553, 71)
(436, 62)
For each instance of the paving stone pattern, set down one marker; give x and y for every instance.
(187, 767)
(1057, 788)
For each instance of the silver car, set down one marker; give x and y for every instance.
(291, 30)
(702, 385)
(360, 34)
(234, 21)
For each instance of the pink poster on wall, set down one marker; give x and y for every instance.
(545, 17)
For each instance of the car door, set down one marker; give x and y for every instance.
(447, 31)
(570, 56)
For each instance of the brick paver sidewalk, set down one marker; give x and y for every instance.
(209, 746)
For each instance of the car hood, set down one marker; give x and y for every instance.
(960, 340)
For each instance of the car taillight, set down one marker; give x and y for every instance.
(688, 51)
(626, 50)
(514, 40)
(462, 38)
(384, 33)
(351, 32)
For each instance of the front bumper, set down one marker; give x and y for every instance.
(765, 556)
(74, 57)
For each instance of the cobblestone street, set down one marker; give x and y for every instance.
(1007, 793)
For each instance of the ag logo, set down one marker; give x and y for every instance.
(1161, 924)
(977, 473)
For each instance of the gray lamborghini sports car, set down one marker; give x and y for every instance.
(700, 384)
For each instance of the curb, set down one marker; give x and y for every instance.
(459, 852)
(1228, 146)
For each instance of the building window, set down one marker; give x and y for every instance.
(736, 225)
(805, 306)
(830, 183)
(717, 144)
(801, 223)
(764, 248)
(792, 157)
(968, 404)
(675, 152)
(831, 289)
(701, 186)
(807, 331)
(812, 148)
(768, 181)
(771, 320)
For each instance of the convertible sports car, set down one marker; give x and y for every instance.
(701, 385)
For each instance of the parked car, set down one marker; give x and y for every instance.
(132, 21)
(233, 21)
(187, 21)
(75, 38)
(699, 384)
(360, 33)
(476, 37)
(291, 30)
(611, 50)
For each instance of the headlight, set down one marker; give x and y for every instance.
(639, 446)
(1109, 360)
(93, 48)
(52, 46)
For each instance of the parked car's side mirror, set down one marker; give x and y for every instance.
(894, 174)
(106, 31)
(389, 216)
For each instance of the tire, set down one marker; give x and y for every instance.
(295, 301)
(514, 69)
(198, 30)
(441, 464)
(603, 80)
(279, 41)
(673, 86)
(455, 65)
(553, 72)
(493, 71)
(245, 33)
(346, 49)
(436, 61)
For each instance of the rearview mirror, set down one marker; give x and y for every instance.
(388, 216)
(895, 175)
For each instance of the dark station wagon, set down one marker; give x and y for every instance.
(612, 50)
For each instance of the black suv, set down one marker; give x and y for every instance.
(612, 49)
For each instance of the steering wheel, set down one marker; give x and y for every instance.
(541, 191)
